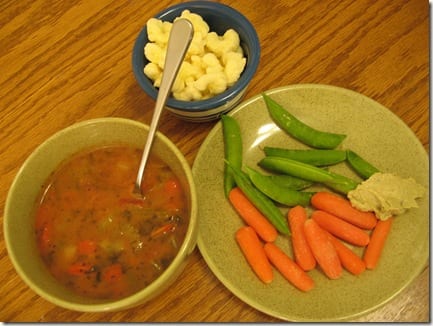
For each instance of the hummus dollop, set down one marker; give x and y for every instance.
(386, 195)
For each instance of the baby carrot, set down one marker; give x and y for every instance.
(348, 258)
(303, 256)
(377, 242)
(340, 228)
(252, 216)
(254, 253)
(323, 249)
(288, 268)
(342, 208)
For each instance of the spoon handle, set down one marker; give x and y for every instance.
(178, 43)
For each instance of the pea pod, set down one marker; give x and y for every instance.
(276, 192)
(361, 166)
(262, 203)
(289, 181)
(299, 130)
(232, 149)
(309, 172)
(317, 157)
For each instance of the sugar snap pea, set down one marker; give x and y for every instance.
(232, 149)
(360, 166)
(309, 172)
(299, 130)
(263, 203)
(288, 181)
(276, 192)
(317, 157)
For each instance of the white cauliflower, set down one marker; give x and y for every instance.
(220, 45)
(187, 73)
(211, 83)
(201, 29)
(158, 31)
(197, 22)
(154, 53)
(234, 64)
(153, 71)
(212, 63)
(189, 93)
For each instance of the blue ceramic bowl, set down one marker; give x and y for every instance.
(220, 18)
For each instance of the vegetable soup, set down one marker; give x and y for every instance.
(96, 236)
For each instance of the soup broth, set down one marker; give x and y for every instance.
(96, 236)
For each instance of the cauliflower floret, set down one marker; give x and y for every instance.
(211, 63)
(201, 28)
(158, 31)
(187, 72)
(190, 70)
(197, 22)
(219, 45)
(152, 71)
(234, 64)
(197, 45)
(178, 85)
(189, 93)
(213, 83)
(154, 53)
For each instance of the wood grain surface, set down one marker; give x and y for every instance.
(66, 61)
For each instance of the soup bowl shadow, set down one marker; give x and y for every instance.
(19, 226)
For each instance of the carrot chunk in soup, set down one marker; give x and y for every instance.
(97, 237)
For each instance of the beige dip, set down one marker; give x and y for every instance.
(386, 194)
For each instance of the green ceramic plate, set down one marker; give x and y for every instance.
(375, 133)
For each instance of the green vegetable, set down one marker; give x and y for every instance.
(289, 181)
(232, 149)
(308, 172)
(361, 166)
(317, 157)
(276, 192)
(299, 130)
(263, 203)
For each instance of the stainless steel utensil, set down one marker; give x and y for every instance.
(179, 40)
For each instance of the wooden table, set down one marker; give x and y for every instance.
(68, 61)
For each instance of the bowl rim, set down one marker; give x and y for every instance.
(150, 290)
(219, 99)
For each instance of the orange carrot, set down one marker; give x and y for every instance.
(377, 242)
(340, 228)
(297, 216)
(348, 258)
(253, 251)
(112, 273)
(86, 247)
(323, 249)
(172, 187)
(164, 229)
(288, 268)
(80, 268)
(342, 208)
(252, 216)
